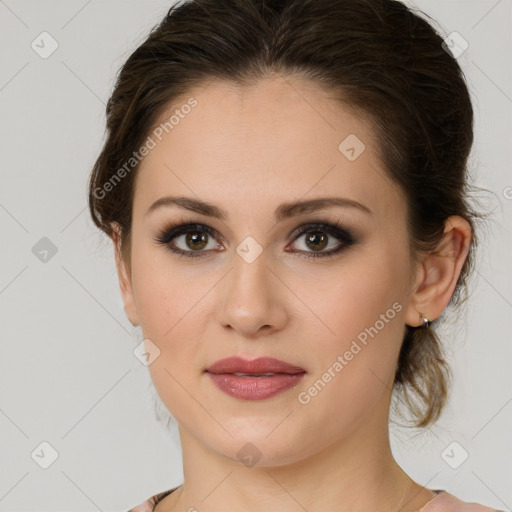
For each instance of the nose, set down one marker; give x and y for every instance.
(252, 301)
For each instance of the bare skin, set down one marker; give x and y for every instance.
(247, 150)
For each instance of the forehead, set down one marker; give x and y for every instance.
(268, 142)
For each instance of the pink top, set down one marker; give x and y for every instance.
(446, 502)
(442, 502)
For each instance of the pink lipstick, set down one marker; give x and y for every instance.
(255, 379)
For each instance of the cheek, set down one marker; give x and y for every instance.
(171, 315)
(165, 293)
(171, 304)
(363, 314)
(354, 368)
(362, 291)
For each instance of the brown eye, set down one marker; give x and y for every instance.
(196, 241)
(316, 240)
(319, 236)
(193, 240)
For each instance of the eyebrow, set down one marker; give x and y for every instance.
(282, 212)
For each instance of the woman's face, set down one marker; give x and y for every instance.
(249, 289)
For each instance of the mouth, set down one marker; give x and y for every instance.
(255, 367)
(256, 379)
(268, 374)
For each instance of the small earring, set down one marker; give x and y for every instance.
(425, 322)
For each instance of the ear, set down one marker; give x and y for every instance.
(124, 276)
(438, 272)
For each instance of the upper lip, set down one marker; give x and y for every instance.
(259, 365)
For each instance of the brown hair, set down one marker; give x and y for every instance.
(379, 58)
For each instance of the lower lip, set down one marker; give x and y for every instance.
(255, 388)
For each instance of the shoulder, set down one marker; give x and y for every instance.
(446, 502)
(443, 502)
(146, 506)
(150, 503)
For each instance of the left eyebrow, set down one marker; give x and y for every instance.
(282, 212)
(287, 210)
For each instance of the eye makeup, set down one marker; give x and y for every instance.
(318, 230)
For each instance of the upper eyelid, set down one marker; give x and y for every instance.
(345, 236)
(299, 230)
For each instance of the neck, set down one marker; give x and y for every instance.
(356, 473)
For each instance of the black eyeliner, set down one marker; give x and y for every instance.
(175, 229)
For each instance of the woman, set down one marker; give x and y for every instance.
(284, 183)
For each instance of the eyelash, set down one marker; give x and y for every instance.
(176, 229)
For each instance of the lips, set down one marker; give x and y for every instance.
(257, 379)
(259, 366)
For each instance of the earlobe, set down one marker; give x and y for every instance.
(124, 277)
(439, 272)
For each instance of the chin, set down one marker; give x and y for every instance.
(260, 445)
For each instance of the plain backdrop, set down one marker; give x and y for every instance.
(68, 375)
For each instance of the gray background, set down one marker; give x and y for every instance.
(68, 375)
